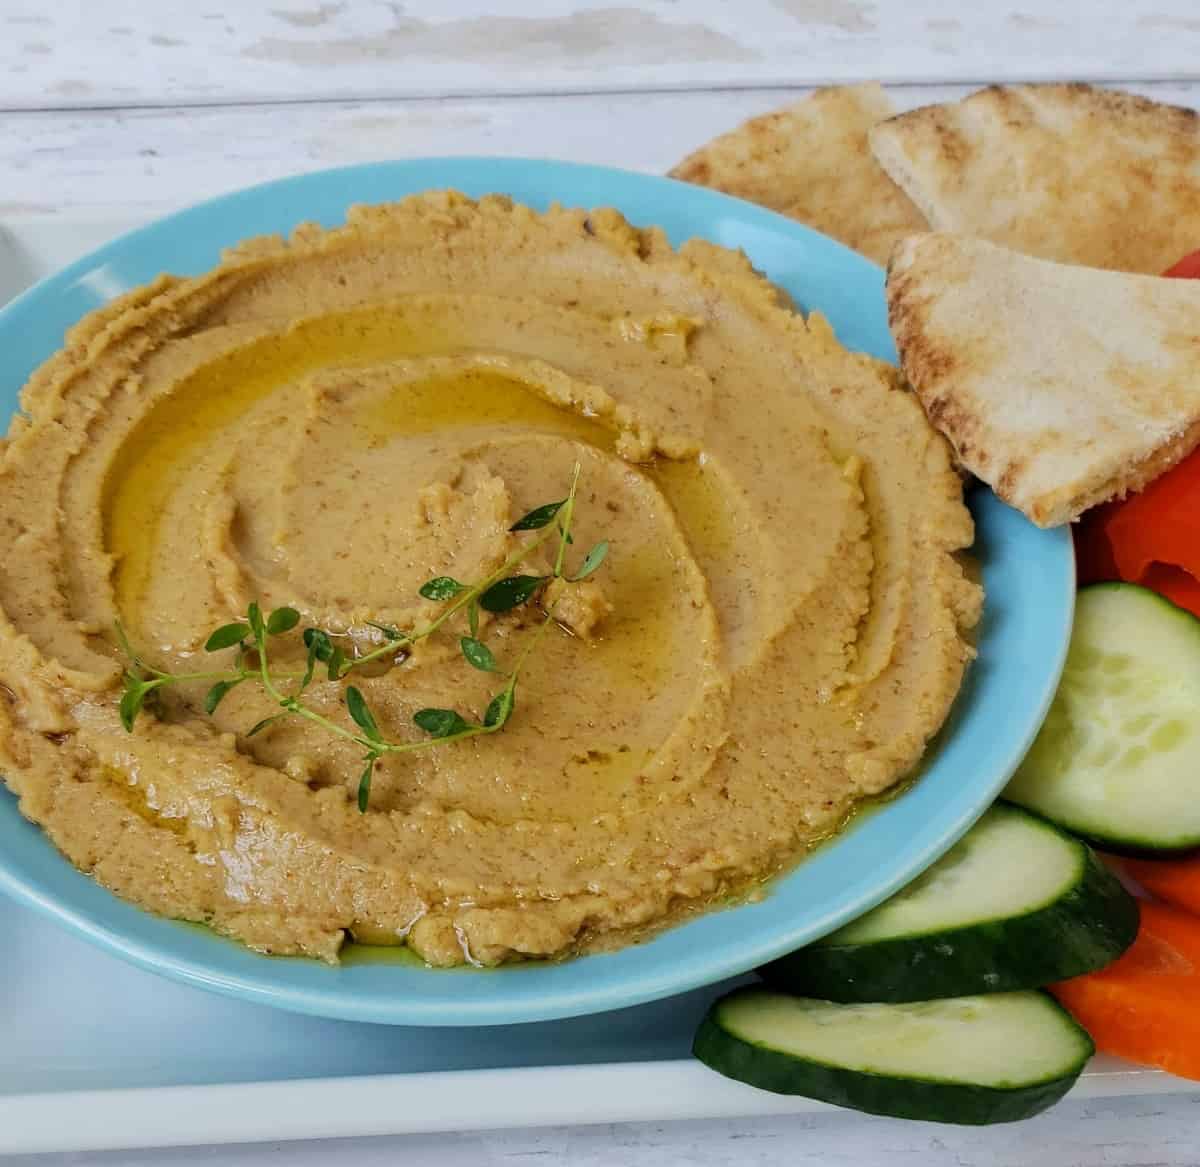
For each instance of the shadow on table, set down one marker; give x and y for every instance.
(17, 269)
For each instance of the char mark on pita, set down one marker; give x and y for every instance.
(811, 162)
(1059, 386)
(1073, 173)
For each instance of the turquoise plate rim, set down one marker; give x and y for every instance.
(1029, 575)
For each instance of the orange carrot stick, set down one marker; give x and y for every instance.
(1145, 1006)
(1151, 538)
(1188, 268)
(1175, 880)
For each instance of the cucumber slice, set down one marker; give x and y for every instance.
(1015, 904)
(1116, 760)
(995, 1058)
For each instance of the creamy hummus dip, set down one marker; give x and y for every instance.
(327, 422)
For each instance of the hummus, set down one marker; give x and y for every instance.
(329, 421)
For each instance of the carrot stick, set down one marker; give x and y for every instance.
(1153, 537)
(1145, 1006)
(1175, 880)
(1188, 268)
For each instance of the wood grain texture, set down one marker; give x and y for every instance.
(93, 53)
(152, 160)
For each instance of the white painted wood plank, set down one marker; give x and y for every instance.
(1131, 1132)
(149, 161)
(93, 53)
(417, 1104)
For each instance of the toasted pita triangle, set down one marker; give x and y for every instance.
(1059, 386)
(811, 162)
(1065, 172)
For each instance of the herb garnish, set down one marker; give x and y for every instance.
(499, 592)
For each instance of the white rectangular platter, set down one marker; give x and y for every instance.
(95, 1054)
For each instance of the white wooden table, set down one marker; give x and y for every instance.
(118, 107)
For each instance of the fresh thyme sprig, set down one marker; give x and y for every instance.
(501, 591)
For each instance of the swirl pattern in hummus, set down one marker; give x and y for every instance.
(329, 421)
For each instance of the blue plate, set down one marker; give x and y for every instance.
(1028, 574)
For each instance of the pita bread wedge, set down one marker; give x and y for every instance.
(1065, 172)
(1059, 386)
(811, 162)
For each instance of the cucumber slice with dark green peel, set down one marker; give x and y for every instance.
(974, 1060)
(1118, 758)
(1015, 904)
